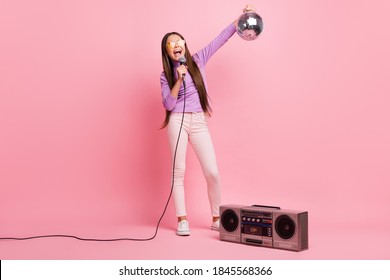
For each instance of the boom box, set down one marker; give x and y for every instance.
(264, 226)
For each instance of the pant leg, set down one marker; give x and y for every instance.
(179, 161)
(202, 144)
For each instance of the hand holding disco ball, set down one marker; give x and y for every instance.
(249, 24)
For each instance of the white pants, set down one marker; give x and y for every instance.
(195, 130)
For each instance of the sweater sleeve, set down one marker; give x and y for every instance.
(168, 100)
(207, 52)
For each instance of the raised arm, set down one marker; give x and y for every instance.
(207, 52)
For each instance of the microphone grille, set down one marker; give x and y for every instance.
(182, 60)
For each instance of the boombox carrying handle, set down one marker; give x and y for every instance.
(266, 206)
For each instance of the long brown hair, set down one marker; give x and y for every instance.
(193, 69)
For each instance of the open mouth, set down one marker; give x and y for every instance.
(177, 52)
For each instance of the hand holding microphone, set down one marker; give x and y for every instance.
(182, 69)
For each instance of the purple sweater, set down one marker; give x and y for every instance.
(201, 57)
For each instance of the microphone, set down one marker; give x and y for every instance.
(183, 61)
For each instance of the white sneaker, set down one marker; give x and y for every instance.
(215, 225)
(183, 228)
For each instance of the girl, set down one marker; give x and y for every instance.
(176, 80)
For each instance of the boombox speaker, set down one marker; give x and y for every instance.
(230, 229)
(264, 226)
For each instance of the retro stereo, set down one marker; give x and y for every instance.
(264, 226)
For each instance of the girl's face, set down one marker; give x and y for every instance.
(175, 47)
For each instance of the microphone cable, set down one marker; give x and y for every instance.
(124, 238)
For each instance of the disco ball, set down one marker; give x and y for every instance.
(249, 26)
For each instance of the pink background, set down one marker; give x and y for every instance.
(301, 120)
